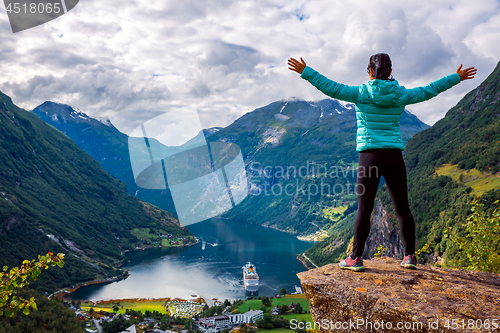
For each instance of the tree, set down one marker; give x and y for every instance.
(279, 322)
(116, 308)
(283, 308)
(283, 291)
(227, 303)
(188, 324)
(266, 301)
(52, 316)
(266, 322)
(298, 308)
(17, 278)
(481, 244)
(91, 312)
(302, 328)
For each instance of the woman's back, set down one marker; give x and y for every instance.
(379, 105)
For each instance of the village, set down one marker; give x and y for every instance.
(185, 316)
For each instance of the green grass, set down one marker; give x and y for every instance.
(139, 305)
(334, 213)
(480, 182)
(300, 298)
(303, 316)
(255, 304)
(142, 233)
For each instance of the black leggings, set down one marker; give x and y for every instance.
(373, 164)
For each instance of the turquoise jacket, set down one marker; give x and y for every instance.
(379, 105)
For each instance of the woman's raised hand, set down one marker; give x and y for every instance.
(296, 66)
(466, 73)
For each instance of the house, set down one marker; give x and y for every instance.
(291, 306)
(131, 329)
(205, 326)
(216, 324)
(253, 316)
(222, 321)
(275, 311)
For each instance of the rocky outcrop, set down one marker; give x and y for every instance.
(382, 232)
(389, 298)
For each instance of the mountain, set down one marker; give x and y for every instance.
(301, 158)
(106, 144)
(448, 164)
(285, 134)
(55, 197)
(467, 139)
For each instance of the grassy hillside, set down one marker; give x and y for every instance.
(468, 137)
(55, 197)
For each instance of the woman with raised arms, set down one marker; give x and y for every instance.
(379, 105)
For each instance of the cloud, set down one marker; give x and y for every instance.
(483, 40)
(132, 60)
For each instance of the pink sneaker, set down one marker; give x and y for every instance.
(410, 261)
(352, 264)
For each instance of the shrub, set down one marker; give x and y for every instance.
(480, 246)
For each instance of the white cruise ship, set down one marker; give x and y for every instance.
(250, 277)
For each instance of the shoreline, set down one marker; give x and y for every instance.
(62, 294)
(199, 299)
(299, 258)
(147, 247)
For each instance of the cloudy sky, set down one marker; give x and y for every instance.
(129, 61)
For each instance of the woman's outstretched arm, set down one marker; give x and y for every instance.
(325, 85)
(420, 94)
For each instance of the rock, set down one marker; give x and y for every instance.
(428, 299)
(382, 232)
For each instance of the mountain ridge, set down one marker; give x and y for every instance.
(328, 125)
(58, 198)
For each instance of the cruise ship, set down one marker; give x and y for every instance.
(250, 277)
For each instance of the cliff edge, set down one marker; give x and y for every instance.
(389, 298)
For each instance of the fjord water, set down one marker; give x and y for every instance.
(212, 268)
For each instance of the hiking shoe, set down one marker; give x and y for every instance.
(352, 264)
(410, 261)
